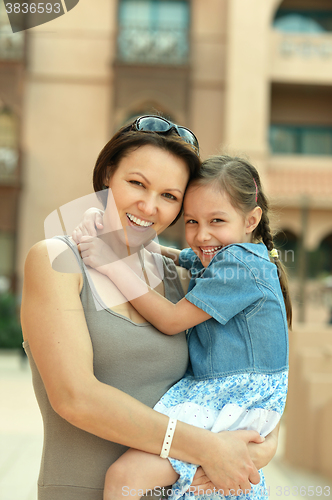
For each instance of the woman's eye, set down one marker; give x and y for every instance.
(170, 196)
(137, 183)
(217, 220)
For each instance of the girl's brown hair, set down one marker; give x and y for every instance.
(240, 181)
(127, 140)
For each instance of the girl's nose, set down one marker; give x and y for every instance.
(148, 205)
(203, 235)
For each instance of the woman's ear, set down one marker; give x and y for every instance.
(106, 179)
(253, 219)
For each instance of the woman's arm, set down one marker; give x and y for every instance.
(54, 324)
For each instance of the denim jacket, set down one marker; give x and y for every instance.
(247, 331)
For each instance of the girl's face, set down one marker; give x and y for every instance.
(146, 193)
(211, 221)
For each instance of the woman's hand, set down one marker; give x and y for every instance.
(226, 462)
(92, 221)
(201, 483)
(261, 454)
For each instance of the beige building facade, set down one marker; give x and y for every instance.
(252, 78)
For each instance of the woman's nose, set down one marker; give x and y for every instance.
(148, 205)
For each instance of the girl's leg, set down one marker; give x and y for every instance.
(134, 473)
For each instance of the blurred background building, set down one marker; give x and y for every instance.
(251, 77)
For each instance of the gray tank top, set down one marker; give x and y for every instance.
(135, 358)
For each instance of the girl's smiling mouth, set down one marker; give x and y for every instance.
(210, 250)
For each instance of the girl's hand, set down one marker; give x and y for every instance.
(92, 221)
(96, 253)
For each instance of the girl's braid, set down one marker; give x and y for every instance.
(263, 230)
(266, 231)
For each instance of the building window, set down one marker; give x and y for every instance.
(302, 21)
(8, 146)
(153, 31)
(306, 140)
(11, 44)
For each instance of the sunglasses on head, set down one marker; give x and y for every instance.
(151, 123)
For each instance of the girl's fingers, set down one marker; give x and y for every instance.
(86, 240)
(99, 221)
(90, 228)
(77, 235)
(74, 236)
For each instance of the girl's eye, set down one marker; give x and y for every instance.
(217, 220)
(170, 196)
(190, 221)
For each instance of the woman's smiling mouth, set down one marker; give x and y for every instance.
(136, 221)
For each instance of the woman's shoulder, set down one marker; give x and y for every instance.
(51, 258)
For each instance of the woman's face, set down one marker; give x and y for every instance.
(147, 189)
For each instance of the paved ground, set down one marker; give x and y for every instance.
(21, 444)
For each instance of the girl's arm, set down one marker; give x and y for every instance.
(171, 253)
(54, 324)
(167, 317)
(93, 221)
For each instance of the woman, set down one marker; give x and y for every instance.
(97, 373)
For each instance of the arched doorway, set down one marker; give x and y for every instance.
(320, 260)
(286, 242)
(308, 16)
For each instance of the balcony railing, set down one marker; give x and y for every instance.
(301, 58)
(159, 46)
(300, 140)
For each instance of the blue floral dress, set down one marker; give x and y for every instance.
(238, 374)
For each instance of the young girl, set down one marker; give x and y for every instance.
(236, 313)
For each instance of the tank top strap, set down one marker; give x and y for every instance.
(74, 249)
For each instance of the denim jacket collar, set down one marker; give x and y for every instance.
(258, 249)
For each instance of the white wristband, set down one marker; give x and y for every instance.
(168, 438)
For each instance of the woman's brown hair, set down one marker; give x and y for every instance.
(241, 182)
(127, 140)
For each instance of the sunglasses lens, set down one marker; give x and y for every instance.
(161, 126)
(188, 136)
(152, 124)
